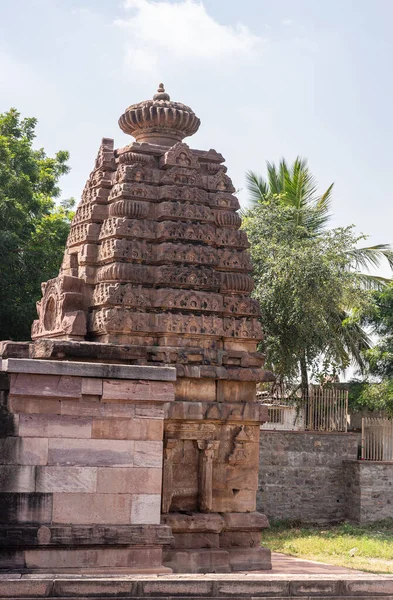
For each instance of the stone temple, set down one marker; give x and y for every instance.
(132, 422)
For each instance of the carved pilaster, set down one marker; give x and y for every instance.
(167, 476)
(205, 486)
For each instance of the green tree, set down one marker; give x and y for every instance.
(33, 229)
(375, 393)
(380, 318)
(295, 187)
(309, 279)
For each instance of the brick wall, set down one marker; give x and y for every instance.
(301, 474)
(369, 487)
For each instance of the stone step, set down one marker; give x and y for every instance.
(206, 587)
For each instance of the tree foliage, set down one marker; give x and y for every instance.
(310, 280)
(375, 393)
(33, 229)
(374, 397)
(380, 318)
(306, 291)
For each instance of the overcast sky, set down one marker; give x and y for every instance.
(267, 79)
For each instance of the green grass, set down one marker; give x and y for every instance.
(363, 547)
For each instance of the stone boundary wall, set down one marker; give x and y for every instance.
(369, 487)
(302, 476)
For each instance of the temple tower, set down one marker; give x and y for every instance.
(156, 272)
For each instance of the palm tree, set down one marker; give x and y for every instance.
(295, 186)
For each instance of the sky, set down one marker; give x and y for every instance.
(268, 79)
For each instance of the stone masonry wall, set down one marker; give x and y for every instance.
(81, 466)
(301, 474)
(369, 488)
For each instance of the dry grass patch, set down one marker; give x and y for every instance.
(363, 547)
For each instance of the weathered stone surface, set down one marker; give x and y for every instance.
(15, 478)
(25, 507)
(301, 475)
(23, 451)
(197, 561)
(127, 429)
(237, 521)
(11, 349)
(195, 540)
(33, 383)
(147, 454)
(240, 589)
(86, 369)
(91, 508)
(91, 386)
(21, 404)
(368, 490)
(55, 426)
(137, 480)
(240, 539)
(25, 588)
(253, 559)
(136, 391)
(197, 522)
(69, 452)
(66, 479)
(97, 409)
(145, 508)
(37, 535)
(53, 560)
(177, 588)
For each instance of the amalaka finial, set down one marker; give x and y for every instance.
(159, 121)
(161, 94)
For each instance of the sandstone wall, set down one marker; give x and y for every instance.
(301, 474)
(369, 488)
(81, 465)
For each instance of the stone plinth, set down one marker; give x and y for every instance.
(81, 466)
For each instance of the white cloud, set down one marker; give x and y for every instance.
(158, 32)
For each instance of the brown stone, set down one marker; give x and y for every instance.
(51, 386)
(196, 540)
(66, 479)
(55, 426)
(23, 451)
(53, 560)
(240, 539)
(197, 561)
(124, 480)
(35, 405)
(254, 559)
(92, 452)
(97, 409)
(145, 508)
(147, 454)
(127, 429)
(91, 508)
(135, 391)
(197, 522)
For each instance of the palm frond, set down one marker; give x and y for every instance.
(372, 282)
(350, 339)
(276, 177)
(371, 256)
(257, 187)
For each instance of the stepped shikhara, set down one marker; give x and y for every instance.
(157, 270)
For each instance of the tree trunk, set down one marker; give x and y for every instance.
(304, 389)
